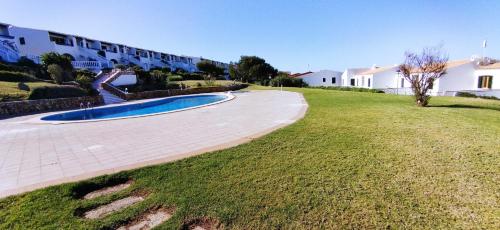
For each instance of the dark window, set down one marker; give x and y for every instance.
(324, 79)
(402, 82)
(485, 82)
(369, 82)
(22, 41)
(353, 82)
(334, 80)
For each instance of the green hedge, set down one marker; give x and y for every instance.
(175, 78)
(343, 88)
(286, 82)
(50, 92)
(191, 76)
(16, 76)
(467, 94)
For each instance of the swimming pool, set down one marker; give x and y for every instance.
(140, 109)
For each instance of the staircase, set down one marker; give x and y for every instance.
(108, 97)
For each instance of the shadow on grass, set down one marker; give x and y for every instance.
(462, 106)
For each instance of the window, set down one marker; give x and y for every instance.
(353, 82)
(402, 82)
(363, 81)
(324, 79)
(484, 82)
(334, 80)
(22, 41)
(369, 82)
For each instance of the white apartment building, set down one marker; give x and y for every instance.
(85, 52)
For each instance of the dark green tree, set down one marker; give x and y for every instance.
(253, 68)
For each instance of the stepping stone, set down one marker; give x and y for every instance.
(114, 206)
(149, 220)
(107, 191)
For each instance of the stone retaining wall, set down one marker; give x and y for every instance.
(175, 92)
(13, 108)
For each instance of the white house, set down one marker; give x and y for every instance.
(322, 78)
(348, 76)
(462, 75)
(86, 52)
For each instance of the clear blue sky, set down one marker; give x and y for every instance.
(289, 34)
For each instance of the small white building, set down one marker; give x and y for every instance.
(322, 78)
(347, 77)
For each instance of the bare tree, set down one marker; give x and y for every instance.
(421, 70)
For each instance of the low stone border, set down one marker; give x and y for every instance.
(14, 108)
(175, 92)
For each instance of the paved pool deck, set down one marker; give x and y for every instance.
(39, 155)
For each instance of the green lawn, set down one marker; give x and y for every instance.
(11, 91)
(357, 160)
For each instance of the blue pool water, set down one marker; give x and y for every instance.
(152, 107)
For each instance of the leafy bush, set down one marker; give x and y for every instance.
(287, 82)
(343, 88)
(56, 73)
(172, 85)
(84, 81)
(175, 78)
(50, 92)
(84, 72)
(467, 94)
(120, 66)
(16, 76)
(23, 86)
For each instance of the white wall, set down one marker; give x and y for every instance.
(316, 78)
(125, 79)
(37, 41)
(456, 79)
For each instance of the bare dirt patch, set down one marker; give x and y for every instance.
(95, 188)
(114, 206)
(107, 190)
(149, 219)
(201, 224)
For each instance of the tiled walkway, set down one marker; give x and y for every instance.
(38, 155)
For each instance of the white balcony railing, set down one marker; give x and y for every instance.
(91, 64)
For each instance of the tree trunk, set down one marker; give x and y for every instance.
(421, 99)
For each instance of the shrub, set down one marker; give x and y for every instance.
(120, 66)
(172, 85)
(192, 77)
(23, 86)
(84, 81)
(287, 82)
(50, 92)
(84, 72)
(54, 58)
(175, 78)
(465, 94)
(56, 73)
(16, 76)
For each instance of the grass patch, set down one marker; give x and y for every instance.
(9, 91)
(357, 160)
